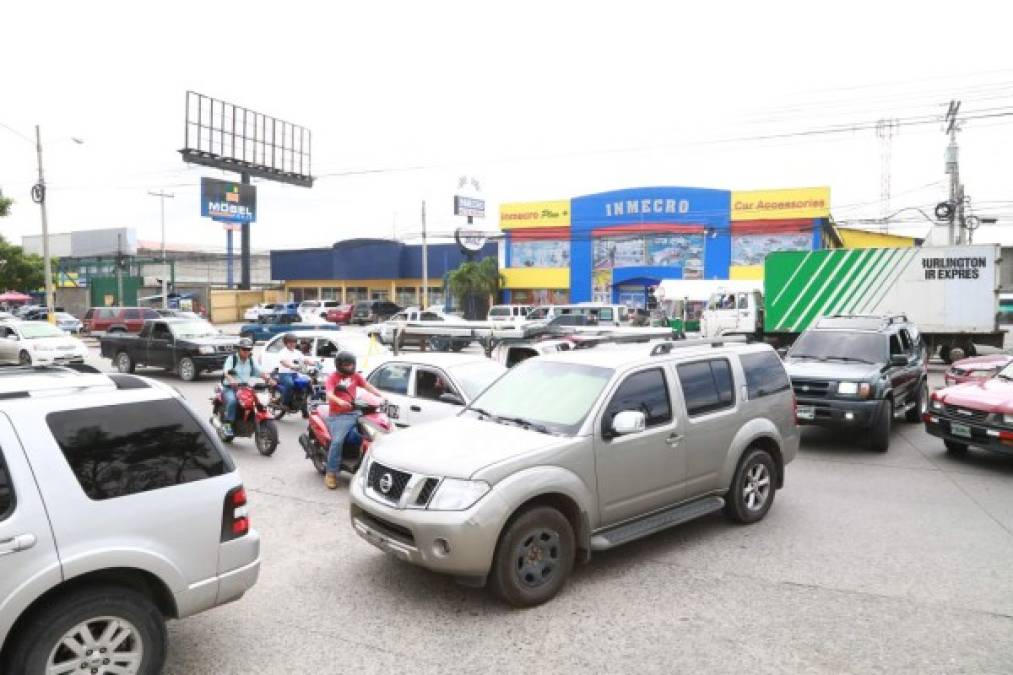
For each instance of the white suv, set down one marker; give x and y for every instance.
(119, 509)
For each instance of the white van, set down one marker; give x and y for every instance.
(513, 314)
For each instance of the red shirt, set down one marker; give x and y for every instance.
(352, 382)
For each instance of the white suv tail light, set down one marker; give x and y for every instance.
(235, 518)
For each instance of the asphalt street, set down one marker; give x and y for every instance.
(896, 562)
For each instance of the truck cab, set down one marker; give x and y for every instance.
(733, 313)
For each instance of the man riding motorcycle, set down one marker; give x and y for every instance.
(239, 368)
(341, 387)
(289, 362)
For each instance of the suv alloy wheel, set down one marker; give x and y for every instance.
(753, 487)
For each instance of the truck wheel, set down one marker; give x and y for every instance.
(267, 438)
(878, 436)
(533, 558)
(188, 370)
(954, 448)
(944, 354)
(124, 363)
(99, 629)
(751, 493)
(969, 350)
(24, 358)
(914, 415)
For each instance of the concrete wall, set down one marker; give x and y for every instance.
(76, 301)
(227, 306)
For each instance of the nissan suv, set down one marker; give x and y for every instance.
(119, 509)
(581, 451)
(857, 372)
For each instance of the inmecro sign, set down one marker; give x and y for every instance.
(788, 204)
(521, 215)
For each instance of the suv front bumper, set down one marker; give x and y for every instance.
(839, 413)
(459, 543)
(209, 361)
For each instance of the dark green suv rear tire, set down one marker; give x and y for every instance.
(534, 557)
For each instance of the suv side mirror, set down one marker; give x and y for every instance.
(628, 422)
(898, 360)
(452, 399)
(782, 352)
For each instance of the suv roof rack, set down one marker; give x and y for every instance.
(662, 348)
(884, 319)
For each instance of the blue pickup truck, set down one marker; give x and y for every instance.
(269, 325)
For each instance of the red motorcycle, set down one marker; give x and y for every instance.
(252, 417)
(372, 423)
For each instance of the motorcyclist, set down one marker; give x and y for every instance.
(239, 368)
(289, 361)
(341, 388)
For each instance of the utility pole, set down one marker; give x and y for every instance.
(953, 169)
(885, 130)
(425, 261)
(162, 196)
(39, 192)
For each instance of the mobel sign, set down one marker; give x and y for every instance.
(228, 202)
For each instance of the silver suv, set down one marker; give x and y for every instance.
(581, 451)
(118, 510)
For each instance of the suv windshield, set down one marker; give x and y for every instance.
(193, 329)
(840, 345)
(557, 396)
(499, 311)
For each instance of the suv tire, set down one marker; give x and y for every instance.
(188, 370)
(878, 436)
(24, 358)
(533, 558)
(753, 487)
(914, 415)
(954, 448)
(124, 363)
(36, 648)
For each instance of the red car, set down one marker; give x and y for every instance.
(974, 413)
(117, 319)
(976, 368)
(339, 314)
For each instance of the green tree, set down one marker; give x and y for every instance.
(473, 282)
(5, 205)
(19, 271)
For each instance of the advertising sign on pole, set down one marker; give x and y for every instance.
(227, 201)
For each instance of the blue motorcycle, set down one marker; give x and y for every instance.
(306, 390)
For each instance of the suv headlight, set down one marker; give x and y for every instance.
(207, 349)
(936, 404)
(1007, 419)
(457, 495)
(860, 389)
(363, 472)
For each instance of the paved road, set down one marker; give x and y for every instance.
(901, 562)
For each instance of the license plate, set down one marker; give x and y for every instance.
(806, 412)
(960, 430)
(393, 411)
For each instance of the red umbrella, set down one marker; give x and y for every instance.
(14, 296)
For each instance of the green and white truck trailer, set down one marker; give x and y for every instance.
(951, 294)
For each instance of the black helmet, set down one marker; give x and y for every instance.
(345, 358)
(244, 343)
(288, 337)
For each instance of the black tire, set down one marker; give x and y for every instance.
(266, 438)
(44, 630)
(954, 448)
(24, 358)
(878, 436)
(541, 532)
(275, 407)
(319, 459)
(113, 331)
(944, 354)
(914, 415)
(187, 369)
(124, 363)
(969, 350)
(753, 487)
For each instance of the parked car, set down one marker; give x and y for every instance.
(580, 451)
(38, 343)
(39, 314)
(6, 316)
(269, 325)
(253, 313)
(374, 311)
(183, 346)
(977, 368)
(119, 510)
(314, 311)
(64, 321)
(513, 314)
(426, 386)
(859, 372)
(339, 314)
(512, 352)
(325, 345)
(117, 319)
(23, 310)
(978, 413)
(384, 332)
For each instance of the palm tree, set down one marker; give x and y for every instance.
(472, 282)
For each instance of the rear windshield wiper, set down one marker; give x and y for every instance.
(527, 424)
(483, 412)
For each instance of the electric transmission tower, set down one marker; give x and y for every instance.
(885, 131)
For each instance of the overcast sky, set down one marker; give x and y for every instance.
(539, 100)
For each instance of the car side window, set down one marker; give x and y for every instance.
(895, 345)
(392, 378)
(905, 340)
(605, 314)
(743, 301)
(326, 349)
(644, 392)
(765, 374)
(706, 386)
(275, 346)
(429, 316)
(125, 449)
(150, 314)
(161, 332)
(431, 384)
(6, 490)
(132, 314)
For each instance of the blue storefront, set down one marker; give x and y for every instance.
(625, 241)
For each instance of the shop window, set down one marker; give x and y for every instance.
(378, 294)
(330, 293)
(406, 296)
(436, 297)
(540, 253)
(354, 294)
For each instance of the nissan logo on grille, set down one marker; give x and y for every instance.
(386, 482)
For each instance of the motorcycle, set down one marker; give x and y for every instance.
(305, 389)
(373, 422)
(252, 417)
